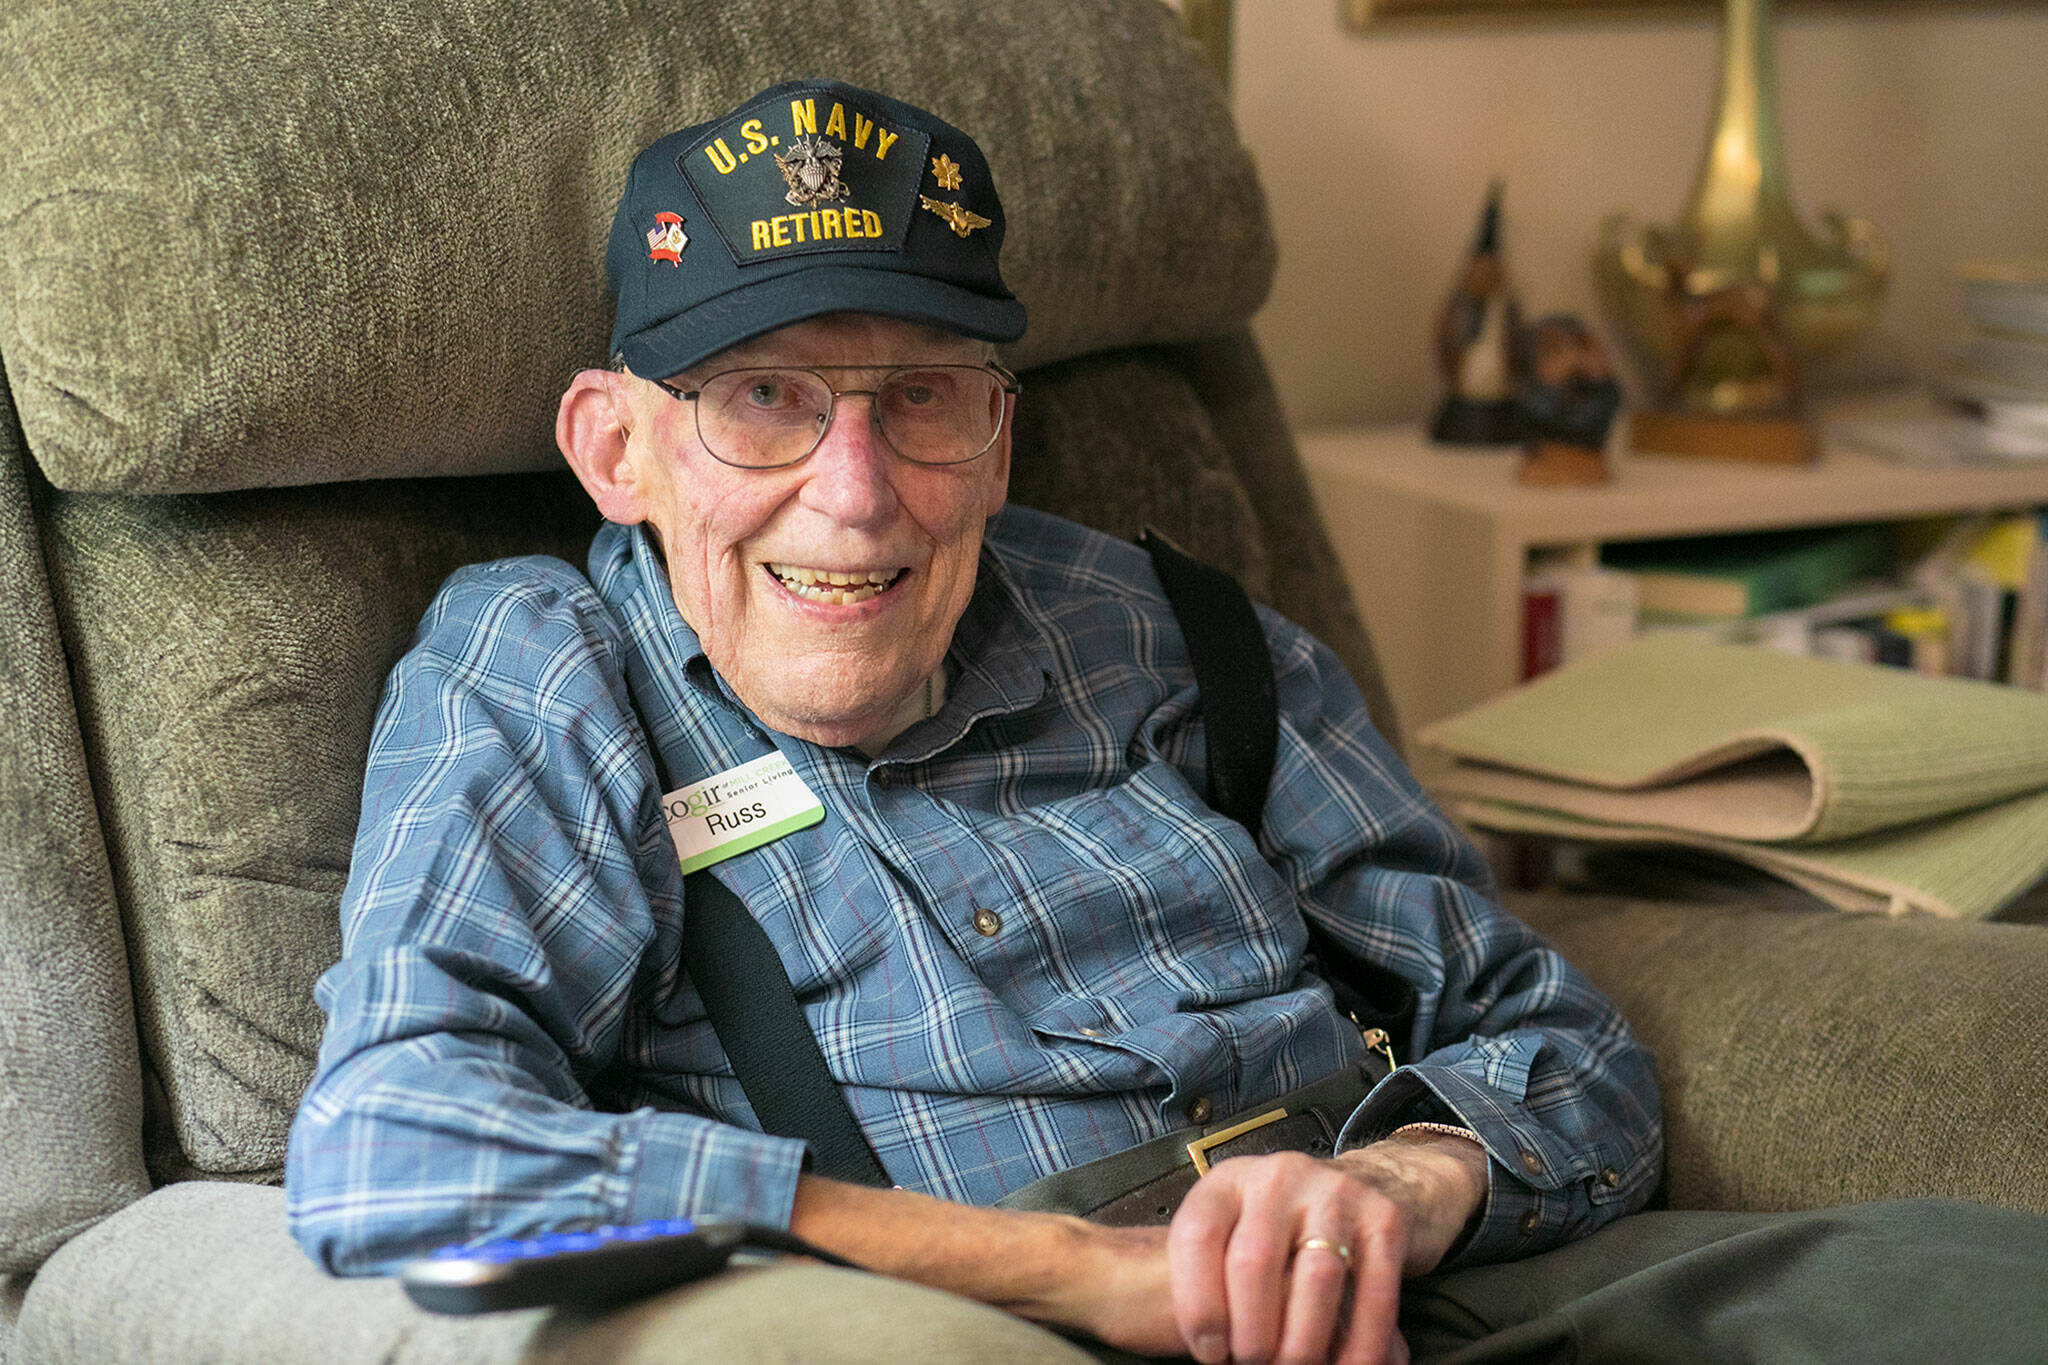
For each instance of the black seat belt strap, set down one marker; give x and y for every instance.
(1233, 673)
(773, 1050)
(753, 1009)
(1233, 670)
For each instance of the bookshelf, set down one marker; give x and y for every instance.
(1436, 541)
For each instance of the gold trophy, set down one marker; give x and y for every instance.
(1727, 303)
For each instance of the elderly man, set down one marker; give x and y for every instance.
(950, 758)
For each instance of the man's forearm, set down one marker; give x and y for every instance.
(1072, 1273)
(993, 1255)
(1048, 1267)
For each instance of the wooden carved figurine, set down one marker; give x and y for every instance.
(1567, 402)
(1478, 349)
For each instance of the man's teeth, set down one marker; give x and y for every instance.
(834, 589)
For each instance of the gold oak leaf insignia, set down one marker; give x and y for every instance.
(946, 171)
(959, 219)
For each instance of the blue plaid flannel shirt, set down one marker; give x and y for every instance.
(512, 921)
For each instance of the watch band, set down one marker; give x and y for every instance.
(1438, 1130)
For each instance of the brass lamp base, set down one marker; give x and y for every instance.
(1771, 440)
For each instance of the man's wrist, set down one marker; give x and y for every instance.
(1472, 1150)
(1440, 1177)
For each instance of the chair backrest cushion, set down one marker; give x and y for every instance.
(228, 653)
(295, 241)
(71, 1098)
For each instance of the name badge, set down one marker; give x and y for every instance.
(738, 809)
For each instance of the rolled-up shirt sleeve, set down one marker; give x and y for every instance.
(497, 926)
(1509, 1039)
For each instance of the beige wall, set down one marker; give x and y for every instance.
(1376, 149)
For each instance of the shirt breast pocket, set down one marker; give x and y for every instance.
(1152, 901)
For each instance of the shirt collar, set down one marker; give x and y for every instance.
(1000, 662)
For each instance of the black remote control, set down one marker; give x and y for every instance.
(593, 1269)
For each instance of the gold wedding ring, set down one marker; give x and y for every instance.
(1325, 1244)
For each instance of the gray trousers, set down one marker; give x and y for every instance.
(1917, 1280)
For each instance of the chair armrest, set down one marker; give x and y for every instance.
(205, 1271)
(1818, 1059)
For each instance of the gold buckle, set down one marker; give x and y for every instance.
(1376, 1040)
(1198, 1150)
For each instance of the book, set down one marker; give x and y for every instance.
(1985, 576)
(1574, 611)
(1541, 646)
(1868, 641)
(1735, 576)
(2029, 649)
(1926, 632)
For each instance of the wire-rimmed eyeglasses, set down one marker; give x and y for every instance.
(772, 416)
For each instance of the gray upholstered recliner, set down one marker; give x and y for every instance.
(286, 296)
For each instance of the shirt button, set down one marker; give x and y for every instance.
(1531, 1221)
(1610, 1177)
(987, 923)
(1201, 1110)
(1531, 1162)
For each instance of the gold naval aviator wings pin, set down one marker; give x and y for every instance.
(959, 219)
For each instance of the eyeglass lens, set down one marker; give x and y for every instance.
(937, 414)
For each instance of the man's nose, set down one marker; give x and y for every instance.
(850, 469)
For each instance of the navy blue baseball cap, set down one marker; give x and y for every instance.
(812, 197)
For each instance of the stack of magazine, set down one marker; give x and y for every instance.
(1865, 788)
(2002, 360)
(1997, 380)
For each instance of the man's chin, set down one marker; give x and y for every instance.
(833, 721)
(830, 734)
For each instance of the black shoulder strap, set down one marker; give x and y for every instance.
(1241, 720)
(753, 1010)
(1233, 673)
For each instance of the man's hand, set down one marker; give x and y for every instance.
(1224, 1282)
(1256, 1271)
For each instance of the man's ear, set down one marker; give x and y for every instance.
(591, 427)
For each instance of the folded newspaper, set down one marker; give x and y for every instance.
(1872, 788)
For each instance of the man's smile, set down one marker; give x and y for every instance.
(835, 587)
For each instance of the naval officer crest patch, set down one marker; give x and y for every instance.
(811, 169)
(808, 168)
